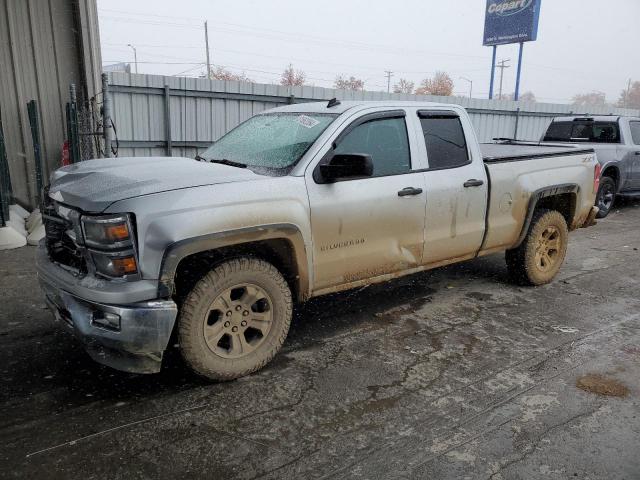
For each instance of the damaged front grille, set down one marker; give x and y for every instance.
(60, 245)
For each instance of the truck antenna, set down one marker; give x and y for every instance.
(334, 102)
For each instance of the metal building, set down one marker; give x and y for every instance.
(45, 45)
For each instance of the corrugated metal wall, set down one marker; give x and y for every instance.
(201, 111)
(45, 45)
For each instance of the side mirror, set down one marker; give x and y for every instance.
(346, 165)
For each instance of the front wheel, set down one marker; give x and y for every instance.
(235, 319)
(606, 196)
(539, 258)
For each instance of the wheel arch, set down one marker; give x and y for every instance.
(613, 171)
(280, 244)
(562, 198)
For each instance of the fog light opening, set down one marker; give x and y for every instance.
(108, 320)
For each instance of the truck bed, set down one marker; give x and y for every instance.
(514, 151)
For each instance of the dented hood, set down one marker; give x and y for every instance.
(95, 184)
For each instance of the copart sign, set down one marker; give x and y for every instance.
(511, 21)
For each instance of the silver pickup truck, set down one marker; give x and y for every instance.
(296, 202)
(616, 141)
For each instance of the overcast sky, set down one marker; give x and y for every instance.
(582, 46)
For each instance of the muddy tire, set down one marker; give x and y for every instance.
(539, 258)
(606, 196)
(235, 319)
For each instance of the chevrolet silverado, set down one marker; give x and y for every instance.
(298, 201)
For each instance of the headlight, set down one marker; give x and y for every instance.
(112, 231)
(110, 241)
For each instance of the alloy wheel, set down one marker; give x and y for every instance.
(238, 321)
(548, 249)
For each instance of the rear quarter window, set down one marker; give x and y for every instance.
(445, 141)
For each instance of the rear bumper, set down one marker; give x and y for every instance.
(591, 218)
(137, 338)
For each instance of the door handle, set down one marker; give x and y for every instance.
(637, 153)
(473, 183)
(407, 191)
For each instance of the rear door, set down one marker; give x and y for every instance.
(456, 187)
(372, 226)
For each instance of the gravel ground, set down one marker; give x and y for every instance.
(453, 373)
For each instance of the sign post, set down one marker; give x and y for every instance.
(510, 21)
(516, 95)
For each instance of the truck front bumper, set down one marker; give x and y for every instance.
(130, 337)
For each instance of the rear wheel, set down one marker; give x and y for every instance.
(235, 319)
(539, 258)
(606, 196)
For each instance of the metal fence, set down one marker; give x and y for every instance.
(157, 116)
(84, 127)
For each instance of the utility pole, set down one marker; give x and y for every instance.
(206, 40)
(502, 65)
(389, 74)
(135, 56)
(626, 95)
(470, 85)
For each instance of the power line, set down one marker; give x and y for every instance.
(157, 63)
(287, 58)
(299, 37)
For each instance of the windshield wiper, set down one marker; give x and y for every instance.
(231, 163)
(200, 158)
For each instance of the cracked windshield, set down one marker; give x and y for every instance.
(348, 240)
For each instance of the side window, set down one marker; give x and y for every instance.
(385, 140)
(635, 132)
(444, 137)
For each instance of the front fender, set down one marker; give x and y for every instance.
(177, 251)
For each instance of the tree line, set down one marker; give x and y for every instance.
(439, 84)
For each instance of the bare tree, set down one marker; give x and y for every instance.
(292, 78)
(351, 83)
(440, 84)
(528, 97)
(630, 97)
(403, 86)
(524, 97)
(221, 73)
(591, 99)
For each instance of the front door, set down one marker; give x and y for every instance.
(634, 156)
(371, 226)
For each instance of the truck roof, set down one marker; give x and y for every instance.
(321, 106)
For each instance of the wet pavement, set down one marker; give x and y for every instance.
(453, 373)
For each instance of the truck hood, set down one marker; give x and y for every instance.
(95, 184)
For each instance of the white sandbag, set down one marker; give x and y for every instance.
(36, 235)
(18, 210)
(17, 223)
(10, 238)
(34, 220)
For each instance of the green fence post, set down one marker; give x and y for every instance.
(72, 126)
(34, 123)
(6, 193)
